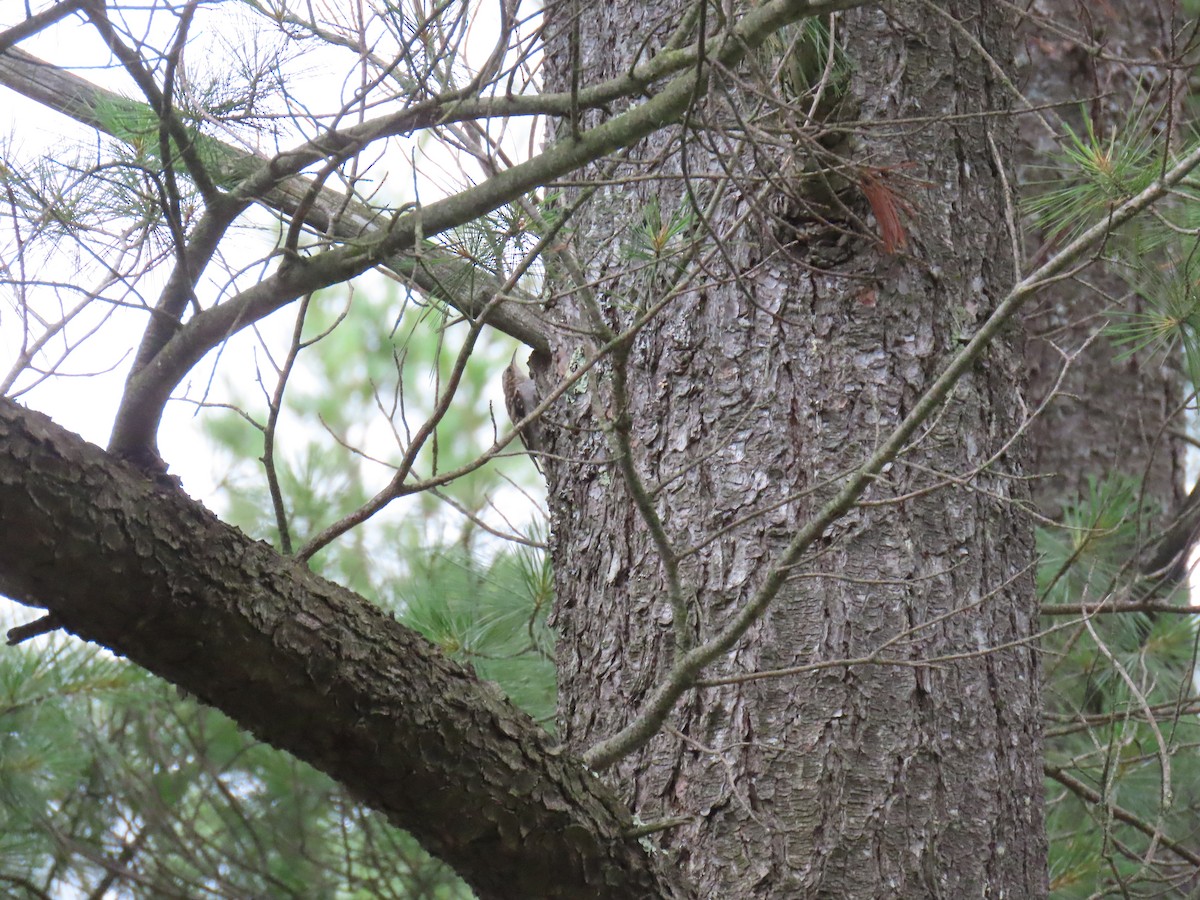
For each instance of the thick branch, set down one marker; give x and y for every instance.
(307, 666)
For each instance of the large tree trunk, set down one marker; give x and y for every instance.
(748, 399)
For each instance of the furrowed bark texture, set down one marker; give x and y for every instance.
(308, 667)
(758, 386)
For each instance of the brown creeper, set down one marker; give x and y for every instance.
(520, 398)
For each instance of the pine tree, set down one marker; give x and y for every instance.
(768, 270)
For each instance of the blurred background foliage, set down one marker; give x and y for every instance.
(1120, 687)
(104, 768)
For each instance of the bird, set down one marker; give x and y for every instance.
(520, 398)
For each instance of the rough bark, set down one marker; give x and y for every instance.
(307, 666)
(753, 392)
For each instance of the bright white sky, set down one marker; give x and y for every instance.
(87, 404)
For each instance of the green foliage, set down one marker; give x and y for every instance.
(104, 768)
(1170, 314)
(654, 238)
(492, 617)
(1156, 255)
(117, 186)
(226, 97)
(804, 58)
(1119, 708)
(659, 248)
(101, 762)
(55, 201)
(1085, 554)
(494, 244)
(1093, 173)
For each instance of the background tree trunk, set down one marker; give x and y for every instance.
(1085, 432)
(759, 386)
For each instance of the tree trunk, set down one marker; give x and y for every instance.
(777, 368)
